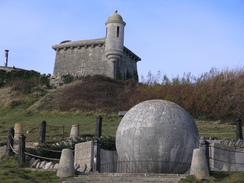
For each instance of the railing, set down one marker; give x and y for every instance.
(148, 166)
(20, 141)
(223, 158)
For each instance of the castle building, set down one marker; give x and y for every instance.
(105, 56)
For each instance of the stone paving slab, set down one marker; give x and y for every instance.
(123, 177)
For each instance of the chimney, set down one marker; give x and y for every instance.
(6, 58)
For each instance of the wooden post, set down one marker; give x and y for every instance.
(21, 152)
(99, 127)
(10, 142)
(96, 156)
(42, 137)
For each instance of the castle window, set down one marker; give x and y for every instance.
(117, 31)
(106, 32)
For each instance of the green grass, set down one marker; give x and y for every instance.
(9, 173)
(55, 121)
(87, 124)
(223, 177)
(216, 129)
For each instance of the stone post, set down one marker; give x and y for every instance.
(239, 129)
(74, 132)
(96, 155)
(21, 152)
(10, 142)
(42, 137)
(99, 127)
(17, 131)
(66, 164)
(199, 164)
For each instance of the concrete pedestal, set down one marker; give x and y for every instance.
(66, 164)
(74, 132)
(199, 166)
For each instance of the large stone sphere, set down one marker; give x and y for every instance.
(156, 136)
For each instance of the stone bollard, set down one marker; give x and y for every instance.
(66, 164)
(199, 167)
(74, 131)
(17, 131)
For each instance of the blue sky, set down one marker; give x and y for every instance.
(171, 36)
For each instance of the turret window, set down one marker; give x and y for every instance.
(117, 31)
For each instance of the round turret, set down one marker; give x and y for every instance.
(114, 44)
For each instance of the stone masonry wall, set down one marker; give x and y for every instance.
(78, 59)
(225, 158)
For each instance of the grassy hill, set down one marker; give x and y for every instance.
(28, 98)
(215, 100)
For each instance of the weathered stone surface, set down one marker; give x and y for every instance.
(83, 153)
(81, 169)
(38, 164)
(56, 166)
(42, 164)
(17, 131)
(66, 164)
(88, 169)
(199, 167)
(76, 165)
(47, 165)
(121, 113)
(159, 133)
(74, 132)
(222, 157)
(52, 166)
(32, 160)
(34, 164)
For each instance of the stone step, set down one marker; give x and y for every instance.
(126, 177)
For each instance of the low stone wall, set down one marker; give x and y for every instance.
(225, 158)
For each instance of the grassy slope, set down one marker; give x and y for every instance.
(30, 111)
(9, 173)
(79, 102)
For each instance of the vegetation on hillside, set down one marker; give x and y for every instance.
(27, 97)
(215, 95)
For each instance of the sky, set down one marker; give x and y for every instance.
(170, 36)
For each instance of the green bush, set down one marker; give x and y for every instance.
(23, 81)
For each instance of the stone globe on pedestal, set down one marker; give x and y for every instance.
(156, 136)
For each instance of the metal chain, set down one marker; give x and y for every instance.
(41, 157)
(13, 149)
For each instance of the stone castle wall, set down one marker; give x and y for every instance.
(82, 58)
(82, 61)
